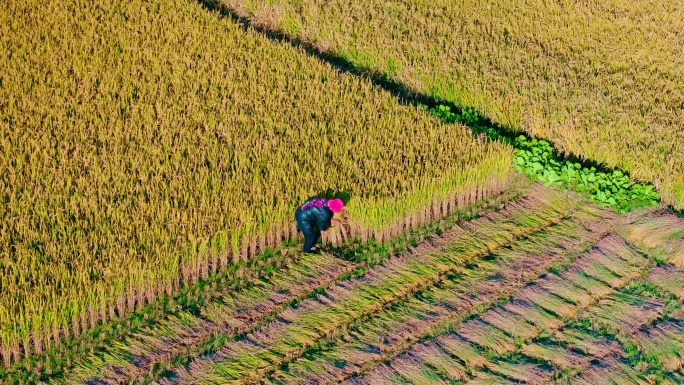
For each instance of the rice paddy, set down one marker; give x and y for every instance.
(143, 159)
(601, 80)
(152, 153)
(544, 289)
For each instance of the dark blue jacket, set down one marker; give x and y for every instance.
(313, 215)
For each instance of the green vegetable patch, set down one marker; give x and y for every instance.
(536, 158)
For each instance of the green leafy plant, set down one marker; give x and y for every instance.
(536, 158)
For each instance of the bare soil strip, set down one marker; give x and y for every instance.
(296, 329)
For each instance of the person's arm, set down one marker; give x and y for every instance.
(323, 218)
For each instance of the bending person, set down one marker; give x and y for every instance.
(314, 216)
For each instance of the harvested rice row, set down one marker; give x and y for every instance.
(533, 311)
(296, 329)
(587, 354)
(664, 342)
(231, 313)
(390, 331)
(622, 314)
(573, 350)
(611, 371)
(668, 278)
(569, 350)
(662, 232)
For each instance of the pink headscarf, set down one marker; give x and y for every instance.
(336, 205)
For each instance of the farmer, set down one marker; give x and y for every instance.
(314, 216)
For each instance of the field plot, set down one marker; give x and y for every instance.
(601, 80)
(138, 158)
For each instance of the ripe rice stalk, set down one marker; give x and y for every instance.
(593, 268)
(565, 289)
(486, 336)
(547, 301)
(612, 371)
(480, 65)
(617, 266)
(665, 342)
(141, 155)
(513, 325)
(662, 232)
(521, 372)
(383, 375)
(616, 246)
(431, 354)
(669, 278)
(487, 378)
(461, 349)
(624, 313)
(599, 347)
(535, 315)
(415, 372)
(557, 356)
(579, 278)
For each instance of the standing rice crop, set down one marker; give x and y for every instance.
(601, 80)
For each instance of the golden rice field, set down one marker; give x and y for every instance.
(603, 80)
(147, 144)
(152, 153)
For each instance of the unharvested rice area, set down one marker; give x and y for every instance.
(148, 144)
(602, 80)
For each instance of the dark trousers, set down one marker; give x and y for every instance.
(310, 239)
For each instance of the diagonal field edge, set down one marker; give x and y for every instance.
(521, 257)
(108, 364)
(404, 94)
